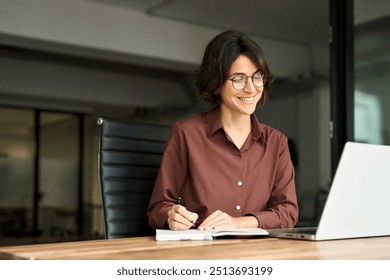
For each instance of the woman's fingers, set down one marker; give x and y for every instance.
(217, 219)
(179, 218)
(190, 216)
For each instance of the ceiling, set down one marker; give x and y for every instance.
(296, 21)
(302, 22)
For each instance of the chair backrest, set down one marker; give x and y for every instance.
(129, 159)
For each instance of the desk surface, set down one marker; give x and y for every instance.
(141, 248)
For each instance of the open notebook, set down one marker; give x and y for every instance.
(358, 201)
(195, 234)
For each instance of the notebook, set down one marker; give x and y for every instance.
(195, 234)
(358, 200)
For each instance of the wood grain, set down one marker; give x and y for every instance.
(146, 248)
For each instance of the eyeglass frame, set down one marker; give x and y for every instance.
(264, 79)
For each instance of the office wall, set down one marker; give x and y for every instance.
(69, 82)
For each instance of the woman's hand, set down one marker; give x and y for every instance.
(179, 218)
(220, 219)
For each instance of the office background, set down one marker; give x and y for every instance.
(64, 63)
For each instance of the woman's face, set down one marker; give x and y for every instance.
(241, 101)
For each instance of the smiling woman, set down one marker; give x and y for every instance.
(212, 161)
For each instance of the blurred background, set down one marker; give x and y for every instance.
(64, 63)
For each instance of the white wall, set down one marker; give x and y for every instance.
(44, 79)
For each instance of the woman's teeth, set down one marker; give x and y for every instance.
(246, 99)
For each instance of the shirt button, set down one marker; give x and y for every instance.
(238, 207)
(239, 183)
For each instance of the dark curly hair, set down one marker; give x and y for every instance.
(218, 57)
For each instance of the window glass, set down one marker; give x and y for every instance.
(372, 72)
(16, 171)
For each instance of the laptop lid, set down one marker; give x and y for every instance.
(358, 201)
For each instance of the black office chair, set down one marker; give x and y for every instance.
(129, 159)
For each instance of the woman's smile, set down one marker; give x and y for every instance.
(247, 99)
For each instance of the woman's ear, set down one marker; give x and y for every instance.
(218, 91)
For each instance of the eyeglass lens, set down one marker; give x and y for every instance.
(239, 80)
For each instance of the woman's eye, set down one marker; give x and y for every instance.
(238, 79)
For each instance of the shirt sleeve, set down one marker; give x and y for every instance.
(282, 210)
(170, 179)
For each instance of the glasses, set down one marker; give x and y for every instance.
(239, 80)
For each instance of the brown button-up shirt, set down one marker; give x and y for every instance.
(203, 166)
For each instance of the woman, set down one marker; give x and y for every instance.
(228, 169)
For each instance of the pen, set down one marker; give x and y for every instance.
(180, 201)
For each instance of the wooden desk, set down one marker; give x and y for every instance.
(141, 248)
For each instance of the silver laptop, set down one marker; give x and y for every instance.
(358, 204)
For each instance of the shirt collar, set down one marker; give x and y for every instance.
(214, 123)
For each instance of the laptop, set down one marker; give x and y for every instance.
(358, 203)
